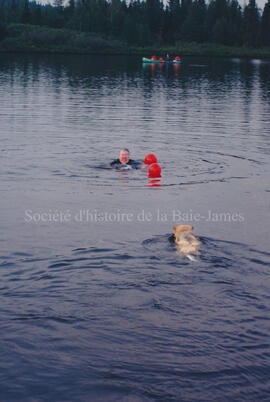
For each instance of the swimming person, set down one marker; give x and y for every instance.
(124, 160)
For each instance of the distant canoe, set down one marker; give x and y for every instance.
(145, 60)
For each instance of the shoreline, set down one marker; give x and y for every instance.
(33, 39)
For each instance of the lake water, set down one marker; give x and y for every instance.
(96, 303)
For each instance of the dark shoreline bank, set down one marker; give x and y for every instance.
(21, 38)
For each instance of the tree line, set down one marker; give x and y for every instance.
(149, 22)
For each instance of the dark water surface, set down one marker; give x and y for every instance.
(96, 304)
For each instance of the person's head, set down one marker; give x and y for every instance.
(124, 155)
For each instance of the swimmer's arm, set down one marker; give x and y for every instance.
(138, 165)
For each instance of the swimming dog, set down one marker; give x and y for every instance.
(186, 241)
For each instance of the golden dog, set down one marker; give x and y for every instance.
(186, 241)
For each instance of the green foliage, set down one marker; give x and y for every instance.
(134, 23)
(26, 14)
(234, 22)
(167, 32)
(194, 24)
(265, 25)
(40, 39)
(220, 31)
(154, 17)
(37, 16)
(3, 30)
(251, 24)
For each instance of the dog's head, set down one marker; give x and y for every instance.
(182, 228)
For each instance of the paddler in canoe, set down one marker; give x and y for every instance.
(175, 60)
(167, 58)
